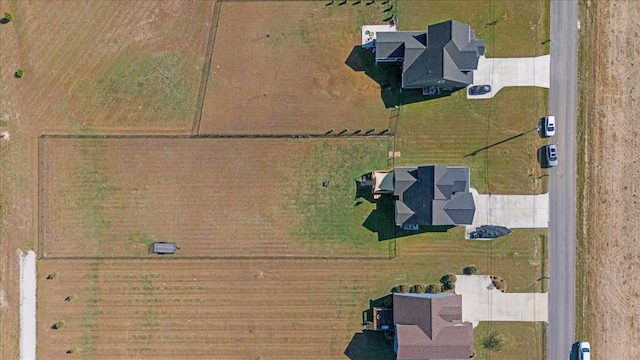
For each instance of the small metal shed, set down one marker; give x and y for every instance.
(164, 247)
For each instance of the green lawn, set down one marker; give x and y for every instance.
(519, 30)
(444, 130)
(522, 340)
(333, 217)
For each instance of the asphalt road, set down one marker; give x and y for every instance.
(562, 180)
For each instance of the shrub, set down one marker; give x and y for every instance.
(448, 281)
(470, 270)
(494, 341)
(52, 276)
(71, 351)
(8, 16)
(401, 289)
(418, 289)
(70, 297)
(433, 289)
(58, 325)
(19, 73)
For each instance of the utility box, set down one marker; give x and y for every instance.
(164, 248)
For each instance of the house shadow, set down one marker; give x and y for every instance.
(383, 302)
(370, 345)
(382, 221)
(388, 76)
(363, 191)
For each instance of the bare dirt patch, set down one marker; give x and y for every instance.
(612, 244)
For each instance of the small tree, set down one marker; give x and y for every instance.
(52, 276)
(19, 73)
(58, 325)
(433, 289)
(494, 341)
(470, 270)
(418, 289)
(8, 16)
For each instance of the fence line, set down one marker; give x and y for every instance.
(246, 257)
(206, 68)
(393, 250)
(220, 136)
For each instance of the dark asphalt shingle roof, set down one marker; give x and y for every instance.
(447, 51)
(433, 195)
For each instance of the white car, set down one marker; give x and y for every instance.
(584, 350)
(549, 126)
(551, 153)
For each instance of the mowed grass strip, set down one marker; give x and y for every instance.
(214, 197)
(229, 309)
(233, 309)
(294, 72)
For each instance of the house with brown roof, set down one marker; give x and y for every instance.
(430, 326)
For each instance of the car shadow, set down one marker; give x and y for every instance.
(542, 158)
(573, 355)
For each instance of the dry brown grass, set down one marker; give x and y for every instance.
(609, 262)
(295, 80)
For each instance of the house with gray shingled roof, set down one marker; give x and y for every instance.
(443, 56)
(427, 195)
(430, 326)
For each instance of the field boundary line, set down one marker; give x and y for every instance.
(247, 257)
(206, 67)
(219, 136)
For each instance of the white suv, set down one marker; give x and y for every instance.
(584, 350)
(549, 126)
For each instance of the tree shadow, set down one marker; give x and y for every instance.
(382, 221)
(370, 345)
(4, 21)
(388, 76)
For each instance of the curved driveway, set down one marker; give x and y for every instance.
(562, 180)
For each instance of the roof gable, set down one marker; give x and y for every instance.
(446, 54)
(429, 326)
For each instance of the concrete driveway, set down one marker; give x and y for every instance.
(503, 72)
(512, 211)
(482, 302)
